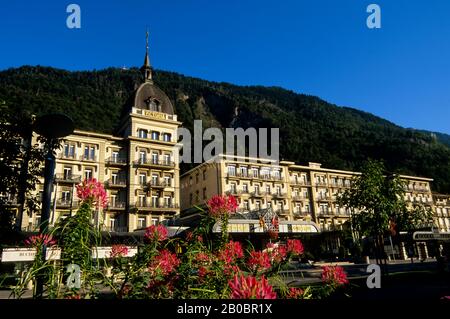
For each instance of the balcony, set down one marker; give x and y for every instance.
(113, 183)
(300, 182)
(155, 206)
(88, 158)
(321, 183)
(68, 156)
(278, 195)
(116, 161)
(324, 197)
(232, 192)
(244, 192)
(302, 213)
(254, 176)
(66, 203)
(258, 194)
(280, 211)
(299, 198)
(67, 178)
(155, 163)
(158, 184)
(116, 205)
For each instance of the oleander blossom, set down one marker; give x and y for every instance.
(156, 233)
(250, 288)
(277, 253)
(231, 252)
(166, 263)
(41, 239)
(294, 246)
(259, 260)
(91, 190)
(118, 251)
(334, 275)
(222, 205)
(295, 293)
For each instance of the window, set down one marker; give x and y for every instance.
(155, 178)
(141, 223)
(114, 178)
(257, 205)
(155, 158)
(243, 171)
(167, 181)
(89, 153)
(67, 173)
(268, 189)
(233, 188)
(69, 150)
(307, 209)
(232, 170)
(112, 200)
(246, 205)
(167, 137)
(155, 221)
(141, 200)
(265, 172)
(155, 201)
(245, 188)
(112, 223)
(278, 190)
(115, 156)
(142, 179)
(155, 136)
(65, 196)
(142, 133)
(255, 172)
(168, 201)
(88, 173)
(167, 159)
(142, 157)
(257, 189)
(277, 174)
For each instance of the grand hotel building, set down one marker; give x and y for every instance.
(139, 168)
(294, 192)
(138, 165)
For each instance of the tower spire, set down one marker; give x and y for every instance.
(146, 68)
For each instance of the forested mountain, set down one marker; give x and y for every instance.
(311, 129)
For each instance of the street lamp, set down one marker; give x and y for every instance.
(51, 127)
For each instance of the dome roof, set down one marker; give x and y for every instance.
(150, 97)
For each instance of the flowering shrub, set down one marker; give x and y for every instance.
(91, 190)
(334, 275)
(222, 205)
(156, 233)
(118, 251)
(251, 288)
(41, 239)
(197, 267)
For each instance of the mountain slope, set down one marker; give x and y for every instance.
(310, 128)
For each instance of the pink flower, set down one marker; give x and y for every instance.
(279, 253)
(259, 260)
(119, 251)
(295, 293)
(202, 258)
(231, 252)
(334, 275)
(231, 270)
(92, 190)
(166, 262)
(295, 246)
(220, 205)
(189, 236)
(250, 288)
(41, 239)
(156, 233)
(203, 272)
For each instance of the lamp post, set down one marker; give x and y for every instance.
(51, 127)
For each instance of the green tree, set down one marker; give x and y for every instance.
(377, 204)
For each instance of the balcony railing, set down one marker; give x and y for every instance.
(116, 183)
(279, 195)
(66, 203)
(300, 182)
(155, 205)
(67, 178)
(300, 198)
(324, 197)
(232, 192)
(88, 158)
(154, 162)
(258, 194)
(116, 160)
(116, 205)
(67, 156)
(159, 183)
(302, 212)
(255, 176)
(280, 211)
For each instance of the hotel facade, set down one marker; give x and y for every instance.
(138, 165)
(294, 192)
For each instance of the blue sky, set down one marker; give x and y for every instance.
(400, 72)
